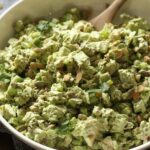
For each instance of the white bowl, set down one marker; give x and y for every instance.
(41, 8)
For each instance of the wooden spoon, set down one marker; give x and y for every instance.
(108, 15)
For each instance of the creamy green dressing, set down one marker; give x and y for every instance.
(70, 87)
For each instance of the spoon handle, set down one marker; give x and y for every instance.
(114, 8)
(108, 15)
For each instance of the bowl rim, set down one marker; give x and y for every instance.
(22, 137)
(9, 8)
(4, 122)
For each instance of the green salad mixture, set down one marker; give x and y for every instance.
(70, 87)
